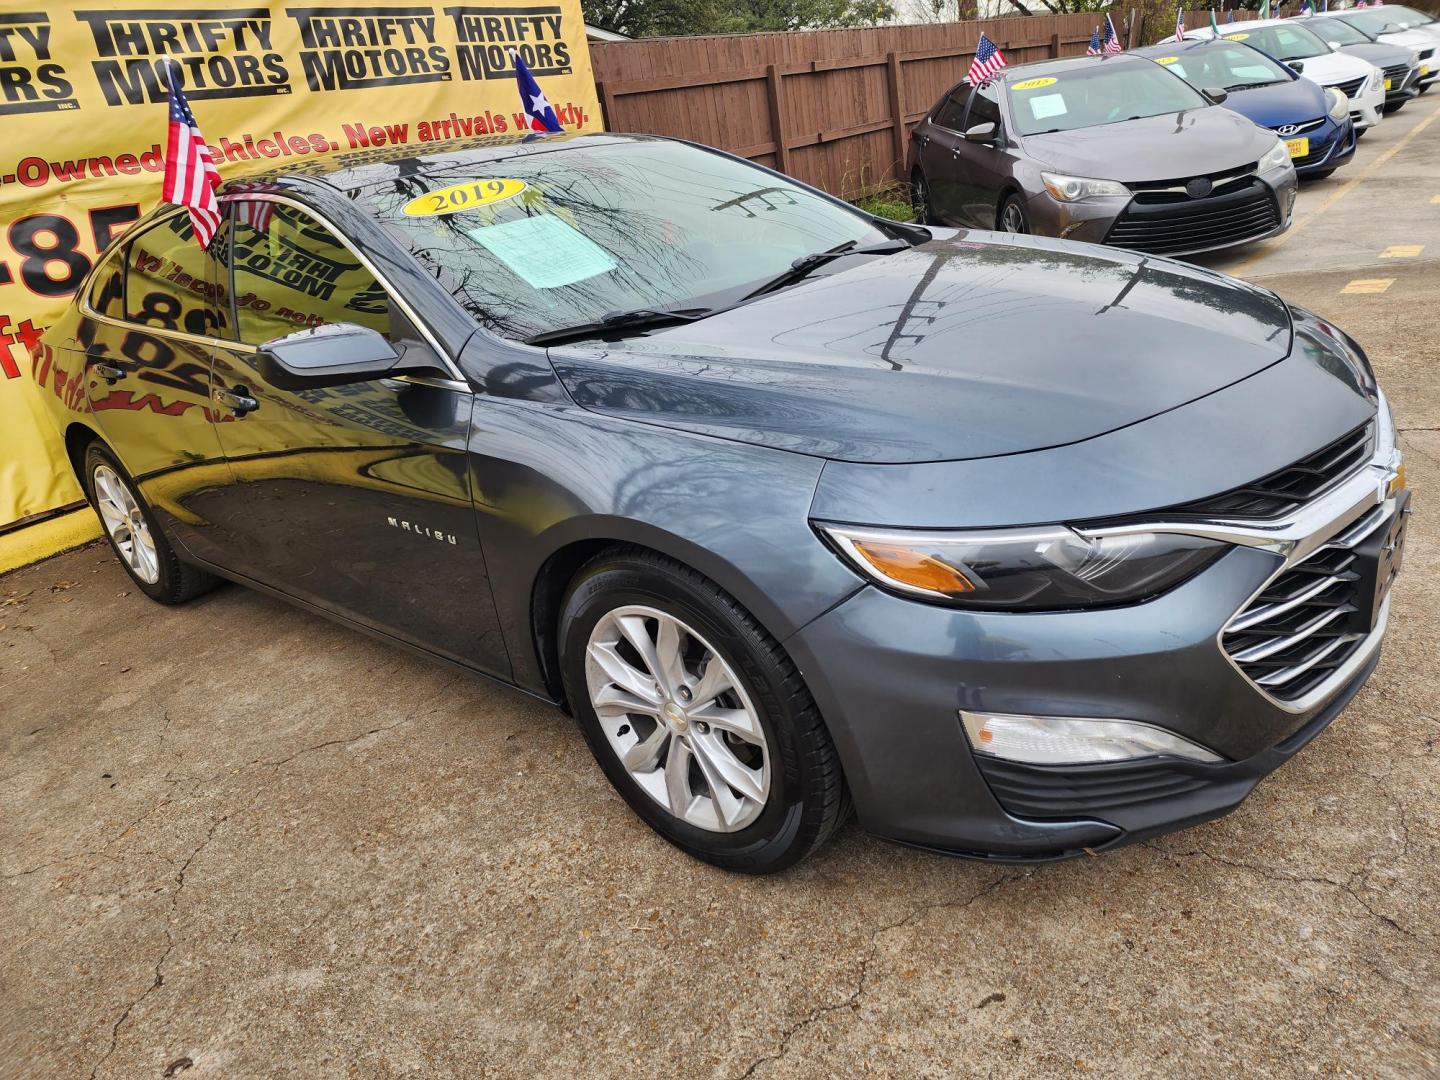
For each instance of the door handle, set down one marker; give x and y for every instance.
(238, 401)
(109, 372)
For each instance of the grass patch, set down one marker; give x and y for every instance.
(891, 202)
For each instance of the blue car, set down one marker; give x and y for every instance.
(1313, 120)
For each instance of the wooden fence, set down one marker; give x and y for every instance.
(830, 107)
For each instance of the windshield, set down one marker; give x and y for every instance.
(1337, 32)
(1282, 42)
(539, 241)
(1226, 66)
(1387, 20)
(1096, 95)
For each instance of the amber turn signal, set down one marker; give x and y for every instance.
(914, 568)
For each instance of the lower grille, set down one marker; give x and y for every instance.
(1397, 76)
(1351, 88)
(1309, 620)
(1316, 155)
(1047, 792)
(1170, 226)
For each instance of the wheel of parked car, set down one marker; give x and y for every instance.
(1013, 218)
(920, 199)
(135, 534)
(696, 714)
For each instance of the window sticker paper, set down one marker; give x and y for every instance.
(544, 251)
(1047, 105)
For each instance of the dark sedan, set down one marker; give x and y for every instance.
(1111, 150)
(1022, 548)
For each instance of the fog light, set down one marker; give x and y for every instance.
(1068, 740)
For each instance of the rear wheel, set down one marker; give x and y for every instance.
(136, 536)
(696, 715)
(1013, 218)
(920, 199)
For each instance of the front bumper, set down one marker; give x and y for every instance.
(891, 677)
(1331, 146)
(1095, 221)
(1367, 107)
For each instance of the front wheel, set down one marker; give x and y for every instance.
(920, 199)
(697, 716)
(1013, 218)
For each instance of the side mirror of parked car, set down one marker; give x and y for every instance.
(981, 133)
(330, 355)
(1215, 95)
(1297, 66)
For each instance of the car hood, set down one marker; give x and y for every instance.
(1382, 56)
(1294, 102)
(1328, 69)
(1417, 38)
(1171, 146)
(972, 345)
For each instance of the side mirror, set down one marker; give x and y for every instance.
(1297, 66)
(328, 355)
(982, 133)
(1215, 95)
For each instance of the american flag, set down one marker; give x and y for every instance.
(190, 175)
(1179, 24)
(255, 213)
(1361, 4)
(532, 99)
(1112, 39)
(1306, 9)
(1094, 49)
(988, 60)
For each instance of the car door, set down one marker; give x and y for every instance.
(356, 497)
(146, 334)
(982, 168)
(939, 141)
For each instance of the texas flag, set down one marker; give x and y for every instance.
(536, 105)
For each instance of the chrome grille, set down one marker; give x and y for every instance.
(1300, 129)
(1351, 88)
(1297, 631)
(1397, 75)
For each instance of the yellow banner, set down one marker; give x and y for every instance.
(83, 116)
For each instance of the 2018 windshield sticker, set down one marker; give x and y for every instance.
(1033, 84)
(467, 196)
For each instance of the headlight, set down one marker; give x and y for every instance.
(1077, 188)
(1377, 80)
(1071, 740)
(1277, 157)
(1339, 104)
(1042, 569)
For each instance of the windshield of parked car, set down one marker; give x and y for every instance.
(1282, 42)
(1337, 32)
(1387, 20)
(1094, 95)
(1228, 66)
(538, 241)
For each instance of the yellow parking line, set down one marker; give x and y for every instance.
(1345, 189)
(1435, 198)
(1369, 285)
(1402, 251)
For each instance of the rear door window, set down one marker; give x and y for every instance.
(169, 280)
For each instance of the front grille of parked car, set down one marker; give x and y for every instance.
(1286, 489)
(1298, 630)
(1316, 155)
(1298, 129)
(1351, 88)
(1427, 54)
(1396, 75)
(1044, 792)
(1167, 222)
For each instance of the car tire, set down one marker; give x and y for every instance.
(760, 742)
(920, 199)
(1013, 217)
(136, 536)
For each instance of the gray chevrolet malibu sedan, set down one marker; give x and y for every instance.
(1112, 150)
(1018, 547)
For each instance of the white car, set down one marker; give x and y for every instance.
(1290, 43)
(1400, 26)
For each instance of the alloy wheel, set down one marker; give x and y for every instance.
(1012, 218)
(124, 521)
(677, 717)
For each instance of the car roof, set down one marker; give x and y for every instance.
(1167, 48)
(359, 169)
(1070, 63)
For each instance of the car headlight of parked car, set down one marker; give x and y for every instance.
(1053, 568)
(1071, 740)
(1339, 104)
(1079, 188)
(1278, 156)
(1377, 80)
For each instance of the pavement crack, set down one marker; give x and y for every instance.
(852, 1000)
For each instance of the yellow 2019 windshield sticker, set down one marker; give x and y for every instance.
(1237, 37)
(1166, 59)
(467, 196)
(1033, 84)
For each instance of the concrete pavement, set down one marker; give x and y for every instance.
(237, 840)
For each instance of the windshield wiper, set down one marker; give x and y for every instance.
(639, 319)
(807, 264)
